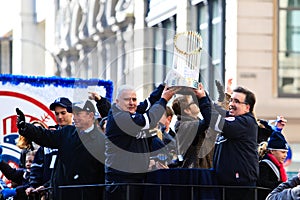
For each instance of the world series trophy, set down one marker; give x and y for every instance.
(186, 60)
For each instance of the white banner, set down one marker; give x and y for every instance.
(33, 95)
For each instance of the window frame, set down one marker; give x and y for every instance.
(287, 52)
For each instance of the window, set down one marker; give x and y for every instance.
(210, 25)
(289, 48)
(163, 49)
(209, 22)
(6, 45)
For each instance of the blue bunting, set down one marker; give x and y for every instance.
(41, 81)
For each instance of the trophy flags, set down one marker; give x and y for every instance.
(186, 60)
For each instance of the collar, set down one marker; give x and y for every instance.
(89, 129)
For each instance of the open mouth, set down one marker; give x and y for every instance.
(232, 108)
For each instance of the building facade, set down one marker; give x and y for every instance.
(254, 42)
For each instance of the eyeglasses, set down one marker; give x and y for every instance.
(236, 101)
(128, 99)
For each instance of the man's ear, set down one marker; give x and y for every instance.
(248, 107)
(91, 114)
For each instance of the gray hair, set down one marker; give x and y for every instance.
(123, 88)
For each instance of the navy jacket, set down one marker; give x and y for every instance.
(80, 159)
(42, 167)
(236, 157)
(267, 176)
(103, 106)
(127, 147)
(127, 135)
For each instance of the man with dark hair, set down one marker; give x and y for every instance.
(165, 122)
(236, 157)
(62, 108)
(190, 129)
(45, 158)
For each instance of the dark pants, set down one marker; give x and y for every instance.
(122, 186)
(241, 193)
(90, 193)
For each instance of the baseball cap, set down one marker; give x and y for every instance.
(87, 106)
(63, 102)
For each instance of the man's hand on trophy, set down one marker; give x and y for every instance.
(21, 119)
(200, 92)
(169, 92)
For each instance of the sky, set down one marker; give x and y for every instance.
(6, 13)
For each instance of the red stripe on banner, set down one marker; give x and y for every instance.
(29, 99)
(13, 121)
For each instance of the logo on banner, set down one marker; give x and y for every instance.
(33, 109)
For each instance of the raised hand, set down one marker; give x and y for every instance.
(21, 119)
(200, 92)
(94, 96)
(220, 89)
(169, 92)
(229, 87)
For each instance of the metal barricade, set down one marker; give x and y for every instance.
(165, 191)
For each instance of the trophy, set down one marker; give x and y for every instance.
(186, 60)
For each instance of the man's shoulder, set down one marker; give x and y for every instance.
(68, 127)
(249, 117)
(68, 130)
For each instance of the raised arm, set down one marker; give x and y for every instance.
(40, 135)
(154, 97)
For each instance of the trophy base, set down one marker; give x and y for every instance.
(182, 82)
(174, 78)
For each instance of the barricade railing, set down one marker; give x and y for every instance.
(166, 191)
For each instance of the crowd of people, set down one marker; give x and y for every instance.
(127, 139)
